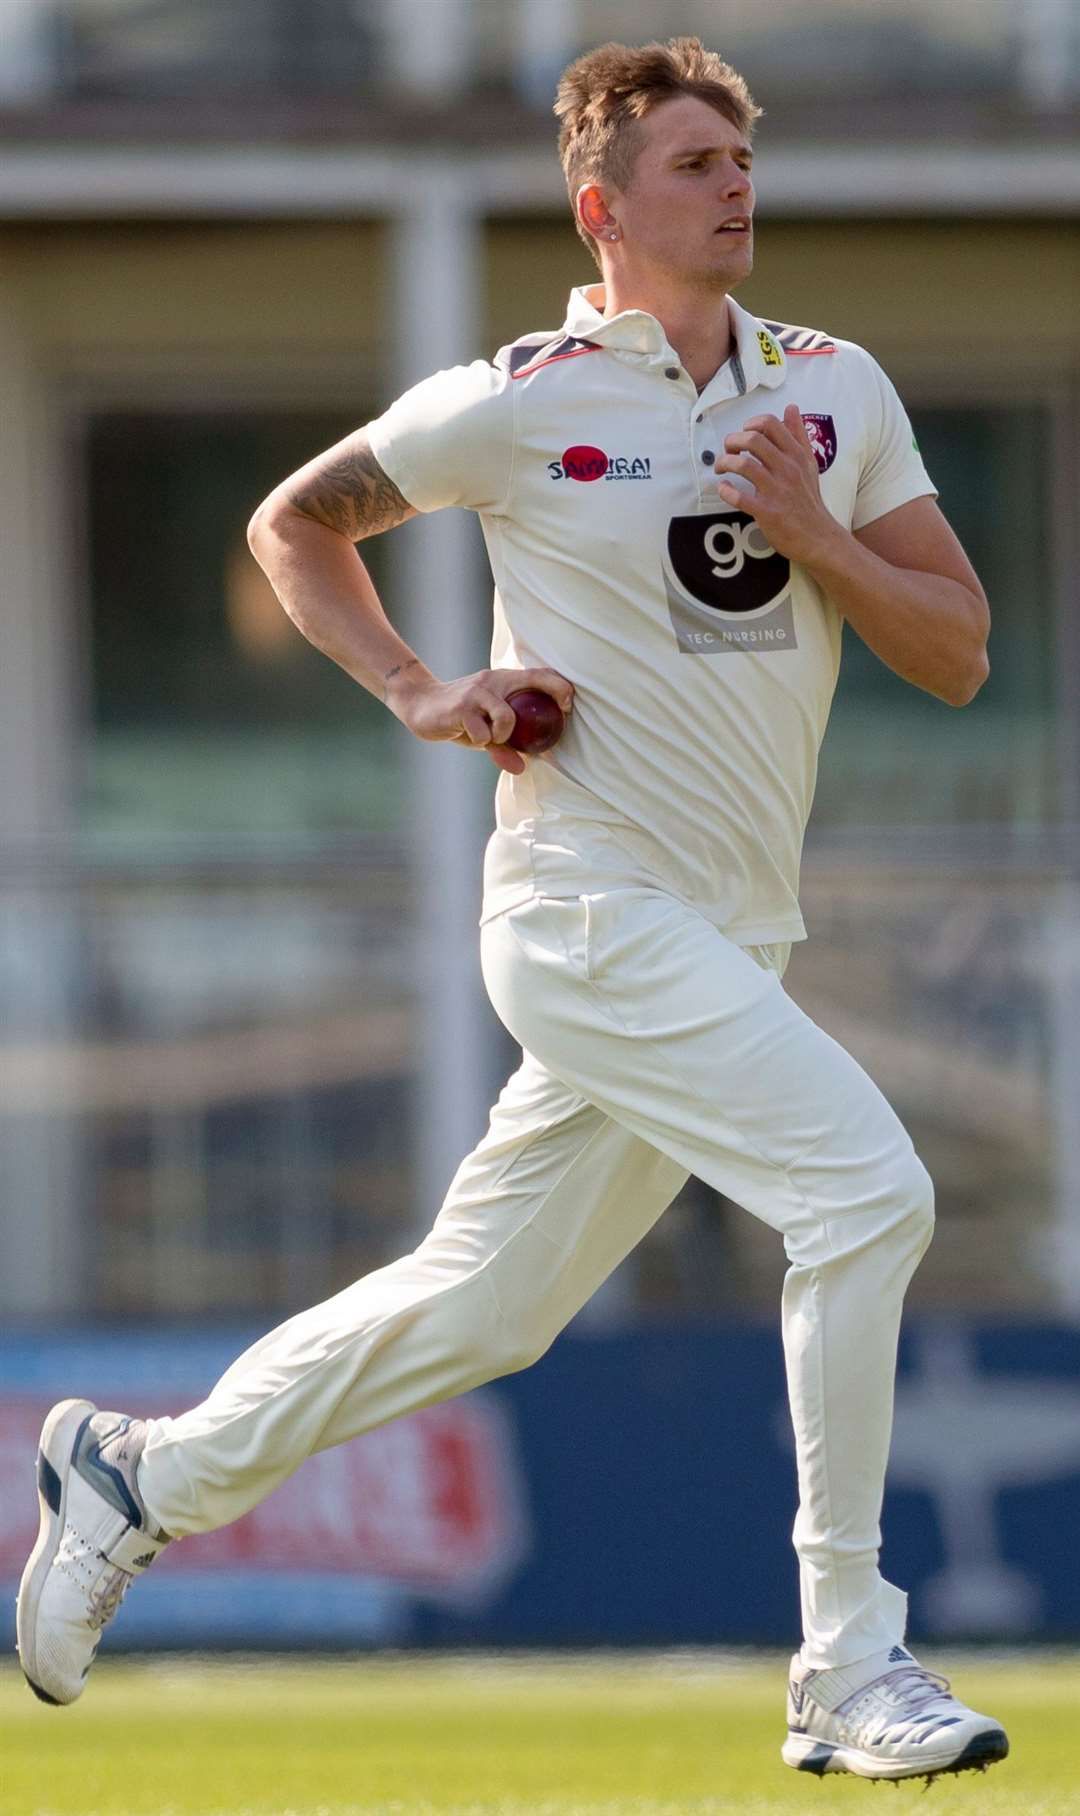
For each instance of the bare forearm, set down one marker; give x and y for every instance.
(903, 581)
(302, 536)
(328, 593)
(928, 628)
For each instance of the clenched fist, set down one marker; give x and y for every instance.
(474, 710)
(783, 487)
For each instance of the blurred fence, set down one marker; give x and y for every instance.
(206, 1079)
(222, 1054)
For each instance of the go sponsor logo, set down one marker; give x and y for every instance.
(726, 561)
(732, 542)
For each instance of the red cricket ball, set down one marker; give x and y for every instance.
(538, 721)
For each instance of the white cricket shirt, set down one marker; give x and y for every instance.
(704, 662)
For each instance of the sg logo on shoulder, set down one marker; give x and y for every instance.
(727, 587)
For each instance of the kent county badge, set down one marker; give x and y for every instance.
(822, 433)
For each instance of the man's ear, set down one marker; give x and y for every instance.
(593, 211)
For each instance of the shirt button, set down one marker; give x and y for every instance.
(699, 419)
(671, 372)
(708, 456)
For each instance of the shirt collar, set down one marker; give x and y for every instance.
(763, 358)
(635, 331)
(631, 331)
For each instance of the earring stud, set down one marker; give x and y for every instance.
(613, 236)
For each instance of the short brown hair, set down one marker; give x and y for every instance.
(602, 98)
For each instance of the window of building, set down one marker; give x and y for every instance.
(210, 715)
(896, 757)
(244, 1114)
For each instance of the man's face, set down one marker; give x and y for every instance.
(687, 210)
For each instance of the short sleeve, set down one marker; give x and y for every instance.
(450, 439)
(892, 470)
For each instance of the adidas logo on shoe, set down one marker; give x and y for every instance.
(886, 1717)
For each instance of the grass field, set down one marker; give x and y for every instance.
(648, 1736)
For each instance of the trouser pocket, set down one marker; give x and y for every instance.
(534, 959)
(559, 926)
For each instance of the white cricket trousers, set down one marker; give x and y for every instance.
(654, 1048)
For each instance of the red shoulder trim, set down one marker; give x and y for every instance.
(553, 360)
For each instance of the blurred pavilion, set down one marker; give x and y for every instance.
(243, 1039)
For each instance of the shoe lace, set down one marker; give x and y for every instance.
(106, 1599)
(919, 1686)
(915, 1689)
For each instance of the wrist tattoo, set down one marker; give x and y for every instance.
(400, 667)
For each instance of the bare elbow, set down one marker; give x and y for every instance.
(272, 514)
(257, 525)
(968, 685)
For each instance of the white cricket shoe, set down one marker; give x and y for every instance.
(95, 1538)
(884, 1718)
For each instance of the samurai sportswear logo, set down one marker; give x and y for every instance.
(727, 587)
(585, 464)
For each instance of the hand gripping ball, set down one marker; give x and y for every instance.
(538, 722)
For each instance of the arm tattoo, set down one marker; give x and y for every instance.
(346, 489)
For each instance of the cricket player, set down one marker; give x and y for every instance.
(682, 505)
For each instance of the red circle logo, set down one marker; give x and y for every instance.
(585, 463)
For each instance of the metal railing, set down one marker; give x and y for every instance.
(208, 1085)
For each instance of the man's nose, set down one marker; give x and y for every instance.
(736, 180)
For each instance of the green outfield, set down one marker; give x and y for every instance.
(600, 1734)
